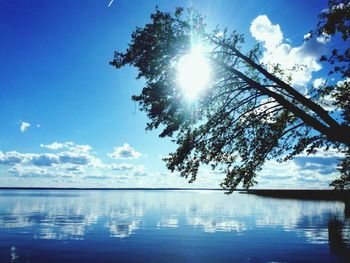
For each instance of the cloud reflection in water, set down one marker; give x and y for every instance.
(123, 213)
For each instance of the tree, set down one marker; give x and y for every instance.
(335, 20)
(249, 114)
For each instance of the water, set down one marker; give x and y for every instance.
(164, 226)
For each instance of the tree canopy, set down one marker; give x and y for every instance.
(249, 113)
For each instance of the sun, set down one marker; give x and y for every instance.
(193, 73)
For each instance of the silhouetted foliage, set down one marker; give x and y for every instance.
(247, 116)
(332, 21)
(335, 21)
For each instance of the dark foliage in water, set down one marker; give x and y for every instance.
(338, 236)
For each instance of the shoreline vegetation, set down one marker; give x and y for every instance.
(310, 194)
(341, 195)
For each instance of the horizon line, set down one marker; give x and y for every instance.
(155, 188)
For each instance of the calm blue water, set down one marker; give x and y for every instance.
(163, 226)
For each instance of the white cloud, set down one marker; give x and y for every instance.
(77, 169)
(81, 148)
(49, 159)
(122, 167)
(328, 101)
(318, 83)
(278, 52)
(304, 171)
(10, 158)
(323, 153)
(263, 30)
(25, 172)
(323, 39)
(44, 159)
(24, 126)
(307, 36)
(268, 106)
(70, 146)
(52, 146)
(74, 158)
(36, 172)
(72, 161)
(79, 159)
(296, 175)
(86, 169)
(124, 152)
(140, 171)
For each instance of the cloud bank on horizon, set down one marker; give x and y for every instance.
(76, 165)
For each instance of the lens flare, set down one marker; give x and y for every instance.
(193, 73)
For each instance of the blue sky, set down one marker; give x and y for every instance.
(67, 118)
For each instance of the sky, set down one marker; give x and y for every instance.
(67, 118)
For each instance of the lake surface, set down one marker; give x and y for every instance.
(167, 226)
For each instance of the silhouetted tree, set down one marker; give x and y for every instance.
(250, 112)
(332, 21)
(335, 20)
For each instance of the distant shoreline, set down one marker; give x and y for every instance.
(342, 195)
(108, 188)
(310, 194)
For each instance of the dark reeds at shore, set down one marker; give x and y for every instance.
(341, 195)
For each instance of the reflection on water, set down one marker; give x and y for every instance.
(339, 235)
(146, 219)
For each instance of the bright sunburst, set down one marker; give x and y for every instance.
(193, 73)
